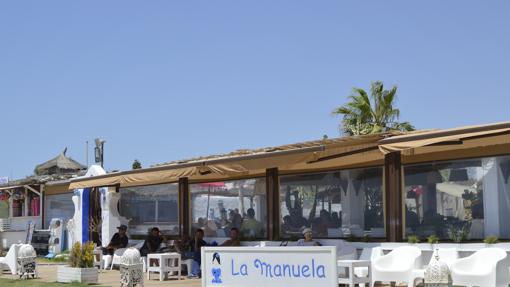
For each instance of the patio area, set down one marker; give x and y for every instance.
(48, 273)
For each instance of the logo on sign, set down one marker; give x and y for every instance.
(216, 269)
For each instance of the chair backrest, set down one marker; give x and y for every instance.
(371, 253)
(447, 255)
(11, 258)
(405, 255)
(120, 251)
(490, 255)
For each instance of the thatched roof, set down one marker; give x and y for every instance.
(61, 164)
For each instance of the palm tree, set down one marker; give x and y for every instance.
(366, 114)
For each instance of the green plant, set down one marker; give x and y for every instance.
(82, 256)
(366, 238)
(413, 239)
(433, 239)
(374, 113)
(87, 255)
(352, 238)
(491, 239)
(136, 164)
(74, 256)
(460, 233)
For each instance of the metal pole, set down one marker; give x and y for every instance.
(87, 152)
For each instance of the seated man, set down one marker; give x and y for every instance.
(193, 248)
(251, 227)
(234, 238)
(307, 240)
(119, 240)
(152, 243)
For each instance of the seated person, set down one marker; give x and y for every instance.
(193, 248)
(251, 227)
(152, 243)
(234, 238)
(307, 240)
(119, 240)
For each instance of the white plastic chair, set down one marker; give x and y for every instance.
(117, 255)
(447, 255)
(10, 261)
(367, 254)
(480, 269)
(188, 263)
(119, 252)
(397, 265)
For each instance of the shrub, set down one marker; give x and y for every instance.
(413, 239)
(491, 239)
(82, 256)
(74, 257)
(433, 239)
(87, 255)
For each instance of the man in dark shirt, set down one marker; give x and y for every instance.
(194, 247)
(152, 243)
(119, 240)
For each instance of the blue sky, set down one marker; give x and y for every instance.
(165, 80)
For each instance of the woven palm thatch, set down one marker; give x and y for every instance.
(61, 164)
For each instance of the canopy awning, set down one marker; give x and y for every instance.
(446, 138)
(308, 156)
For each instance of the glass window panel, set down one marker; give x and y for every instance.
(58, 206)
(218, 206)
(18, 202)
(334, 204)
(446, 199)
(151, 206)
(4, 204)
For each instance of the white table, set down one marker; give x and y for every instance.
(98, 259)
(167, 262)
(352, 279)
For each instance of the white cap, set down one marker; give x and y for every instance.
(306, 230)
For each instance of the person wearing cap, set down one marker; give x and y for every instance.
(119, 240)
(307, 240)
(152, 243)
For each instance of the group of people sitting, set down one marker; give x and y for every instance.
(247, 224)
(189, 248)
(295, 221)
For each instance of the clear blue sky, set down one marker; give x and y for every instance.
(165, 80)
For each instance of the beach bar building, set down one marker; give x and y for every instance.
(451, 183)
(37, 199)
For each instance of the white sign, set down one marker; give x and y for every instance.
(269, 266)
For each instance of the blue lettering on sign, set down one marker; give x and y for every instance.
(285, 270)
(243, 270)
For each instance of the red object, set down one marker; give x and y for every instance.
(418, 190)
(212, 184)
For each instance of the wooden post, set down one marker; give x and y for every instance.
(393, 196)
(273, 203)
(184, 213)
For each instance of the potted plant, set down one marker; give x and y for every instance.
(413, 239)
(81, 265)
(432, 239)
(491, 240)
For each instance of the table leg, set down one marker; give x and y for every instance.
(351, 276)
(179, 268)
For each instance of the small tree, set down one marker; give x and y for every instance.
(374, 113)
(137, 164)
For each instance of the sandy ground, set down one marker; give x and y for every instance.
(48, 273)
